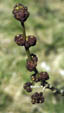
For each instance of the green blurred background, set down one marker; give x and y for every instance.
(46, 21)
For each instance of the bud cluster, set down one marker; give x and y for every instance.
(42, 76)
(32, 63)
(21, 13)
(27, 86)
(28, 42)
(37, 98)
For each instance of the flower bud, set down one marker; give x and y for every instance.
(31, 65)
(37, 98)
(20, 12)
(19, 39)
(31, 41)
(27, 87)
(43, 76)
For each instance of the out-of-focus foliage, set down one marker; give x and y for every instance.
(46, 21)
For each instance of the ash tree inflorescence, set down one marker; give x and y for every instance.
(21, 13)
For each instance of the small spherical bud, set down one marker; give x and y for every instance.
(43, 76)
(31, 65)
(31, 41)
(20, 12)
(41, 94)
(27, 86)
(19, 39)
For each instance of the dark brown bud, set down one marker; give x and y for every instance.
(35, 95)
(43, 76)
(31, 41)
(20, 12)
(37, 98)
(31, 64)
(27, 86)
(19, 39)
(28, 89)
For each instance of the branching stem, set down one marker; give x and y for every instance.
(44, 84)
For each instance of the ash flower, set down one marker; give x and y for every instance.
(20, 12)
(43, 76)
(27, 87)
(19, 39)
(37, 98)
(31, 64)
(31, 41)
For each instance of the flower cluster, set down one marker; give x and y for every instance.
(21, 13)
(42, 76)
(32, 63)
(37, 98)
(27, 86)
(28, 42)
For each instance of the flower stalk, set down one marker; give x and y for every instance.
(21, 14)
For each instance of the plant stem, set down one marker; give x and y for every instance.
(24, 34)
(52, 88)
(27, 50)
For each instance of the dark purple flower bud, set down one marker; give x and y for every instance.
(20, 12)
(31, 64)
(27, 86)
(37, 98)
(43, 76)
(19, 39)
(31, 41)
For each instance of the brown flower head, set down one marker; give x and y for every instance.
(31, 41)
(19, 39)
(31, 64)
(27, 86)
(37, 98)
(20, 12)
(43, 76)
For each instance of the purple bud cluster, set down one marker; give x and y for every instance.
(21, 13)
